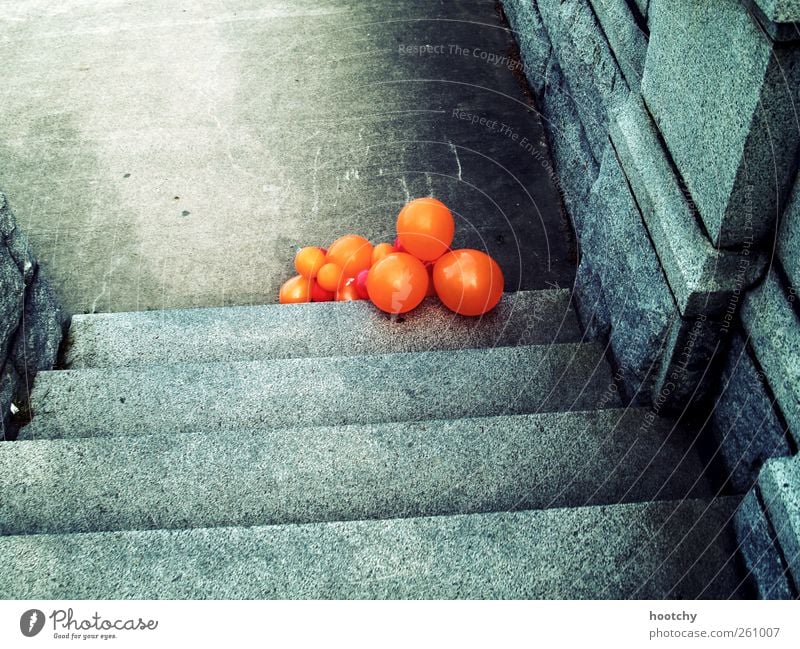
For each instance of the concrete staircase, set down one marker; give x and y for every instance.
(326, 450)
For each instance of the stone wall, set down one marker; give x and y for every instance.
(31, 322)
(674, 129)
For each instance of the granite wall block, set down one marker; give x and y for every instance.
(724, 97)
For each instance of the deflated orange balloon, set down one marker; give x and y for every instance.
(329, 277)
(295, 290)
(397, 283)
(348, 293)
(352, 253)
(380, 251)
(425, 228)
(308, 261)
(468, 282)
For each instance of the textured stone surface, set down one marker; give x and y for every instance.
(628, 42)
(583, 83)
(590, 302)
(31, 322)
(593, 79)
(9, 384)
(780, 486)
(7, 220)
(223, 149)
(318, 391)
(789, 239)
(642, 6)
(532, 39)
(782, 32)
(735, 149)
(575, 164)
(757, 546)
(16, 242)
(12, 291)
(12, 284)
(636, 293)
(702, 277)
(780, 11)
(41, 329)
(746, 428)
(325, 329)
(344, 473)
(20, 251)
(656, 550)
(774, 329)
(686, 369)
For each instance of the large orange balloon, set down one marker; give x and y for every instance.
(329, 277)
(468, 282)
(397, 283)
(425, 228)
(308, 261)
(295, 290)
(352, 253)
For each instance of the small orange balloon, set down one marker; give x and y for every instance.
(468, 282)
(352, 253)
(295, 290)
(380, 251)
(308, 261)
(397, 283)
(329, 277)
(425, 228)
(348, 293)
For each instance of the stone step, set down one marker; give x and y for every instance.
(300, 330)
(320, 391)
(666, 549)
(305, 475)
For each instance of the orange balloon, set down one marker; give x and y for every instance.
(348, 293)
(468, 282)
(397, 283)
(425, 228)
(295, 290)
(380, 251)
(352, 253)
(329, 277)
(308, 261)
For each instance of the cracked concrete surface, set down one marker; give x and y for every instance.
(164, 156)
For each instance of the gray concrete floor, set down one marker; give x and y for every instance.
(166, 155)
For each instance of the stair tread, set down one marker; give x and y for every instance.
(321, 391)
(320, 329)
(654, 550)
(344, 473)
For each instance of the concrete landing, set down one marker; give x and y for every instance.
(164, 156)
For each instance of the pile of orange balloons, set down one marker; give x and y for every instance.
(397, 277)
